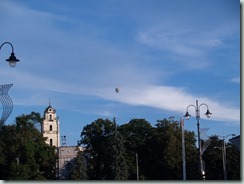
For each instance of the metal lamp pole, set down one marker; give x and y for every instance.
(187, 116)
(223, 149)
(224, 160)
(137, 168)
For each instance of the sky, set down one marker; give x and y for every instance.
(163, 55)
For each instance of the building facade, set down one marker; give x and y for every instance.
(236, 141)
(66, 158)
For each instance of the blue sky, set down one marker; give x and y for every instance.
(163, 55)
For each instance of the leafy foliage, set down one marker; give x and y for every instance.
(25, 155)
(110, 152)
(214, 160)
(112, 149)
(137, 134)
(159, 150)
(98, 137)
(78, 171)
(104, 151)
(120, 168)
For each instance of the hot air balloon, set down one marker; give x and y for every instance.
(117, 90)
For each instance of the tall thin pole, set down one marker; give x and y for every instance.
(223, 149)
(208, 114)
(202, 172)
(183, 149)
(137, 167)
(224, 160)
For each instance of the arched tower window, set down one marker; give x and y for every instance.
(50, 117)
(51, 128)
(51, 142)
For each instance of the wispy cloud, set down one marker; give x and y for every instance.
(78, 60)
(183, 41)
(167, 98)
(235, 80)
(174, 99)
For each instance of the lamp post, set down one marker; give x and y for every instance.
(137, 167)
(223, 149)
(7, 104)
(12, 59)
(187, 116)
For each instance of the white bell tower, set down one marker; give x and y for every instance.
(50, 127)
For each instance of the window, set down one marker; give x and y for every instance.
(51, 142)
(68, 167)
(50, 117)
(51, 128)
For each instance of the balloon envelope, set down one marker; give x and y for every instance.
(117, 90)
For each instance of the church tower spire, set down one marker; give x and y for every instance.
(50, 126)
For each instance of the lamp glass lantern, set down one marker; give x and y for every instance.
(208, 114)
(12, 60)
(187, 115)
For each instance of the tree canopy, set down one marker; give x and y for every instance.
(24, 153)
(113, 152)
(158, 150)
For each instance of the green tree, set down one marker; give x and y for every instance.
(136, 134)
(78, 171)
(120, 166)
(110, 150)
(25, 154)
(104, 150)
(97, 138)
(166, 151)
(214, 160)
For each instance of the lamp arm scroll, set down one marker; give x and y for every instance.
(9, 44)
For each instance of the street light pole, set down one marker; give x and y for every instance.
(224, 160)
(137, 168)
(187, 116)
(224, 155)
(223, 149)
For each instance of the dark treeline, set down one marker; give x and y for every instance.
(24, 155)
(112, 152)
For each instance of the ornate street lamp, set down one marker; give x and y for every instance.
(7, 104)
(187, 116)
(12, 59)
